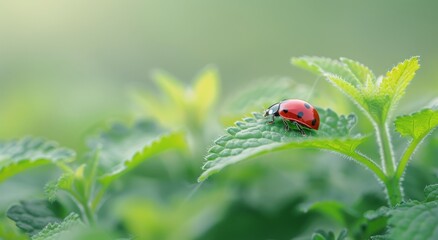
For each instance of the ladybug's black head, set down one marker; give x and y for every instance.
(272, 110)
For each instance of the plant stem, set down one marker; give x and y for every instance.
(394, 191)
(392, 183)
(88, 212)
(406, 156)
(387, 156)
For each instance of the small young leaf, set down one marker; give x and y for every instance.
(417, 125)
(64, 182)
(32, 216)
(206, 91)
(53, 230)
(256, 137)
(19, 155)
(122, 149)
(396, 80)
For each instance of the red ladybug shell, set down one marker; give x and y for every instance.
(299, 111)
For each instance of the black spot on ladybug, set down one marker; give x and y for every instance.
(300, 114)
(307, 105)
(285, 110)
(313, 122)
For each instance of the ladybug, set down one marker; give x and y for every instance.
(298, 112)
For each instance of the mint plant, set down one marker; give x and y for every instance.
(377, 97)
(112, 153)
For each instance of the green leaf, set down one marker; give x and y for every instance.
(417, 125)
(64, 182)
(32, 216)
(398, 78)
(122, 148)
(206, 91)
(431, 192)
(19, 155)
(377, 97)
(254, 136)
(53, 231)
(415, 220)
(192, 104)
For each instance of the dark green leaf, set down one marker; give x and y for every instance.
(416, 220)
(54, 231)
(32, 216)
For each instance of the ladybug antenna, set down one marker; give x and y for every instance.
(313, 87)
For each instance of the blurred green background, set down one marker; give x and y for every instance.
(69, 66)
(66, 65)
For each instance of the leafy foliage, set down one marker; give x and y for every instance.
(254, 136)
(121, 148)
(190, 105)
(53, 230)
(377, 96)
(32, 216)
(19, 155)
(415, 220)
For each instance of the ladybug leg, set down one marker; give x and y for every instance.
(299, 128)
(286, 125)
(272, 121)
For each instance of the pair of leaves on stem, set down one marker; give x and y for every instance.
(377, 96)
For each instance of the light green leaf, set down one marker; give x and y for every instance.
(321, 65)
(53, 231)
(415, 220)
(254, 136)
(396, 80)
(417, 125)
(375, 96)
(32, 216)
(360, 71)
(170, 86)
(19, 155)
(191, 104)
(122, 149)
(206, 88)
